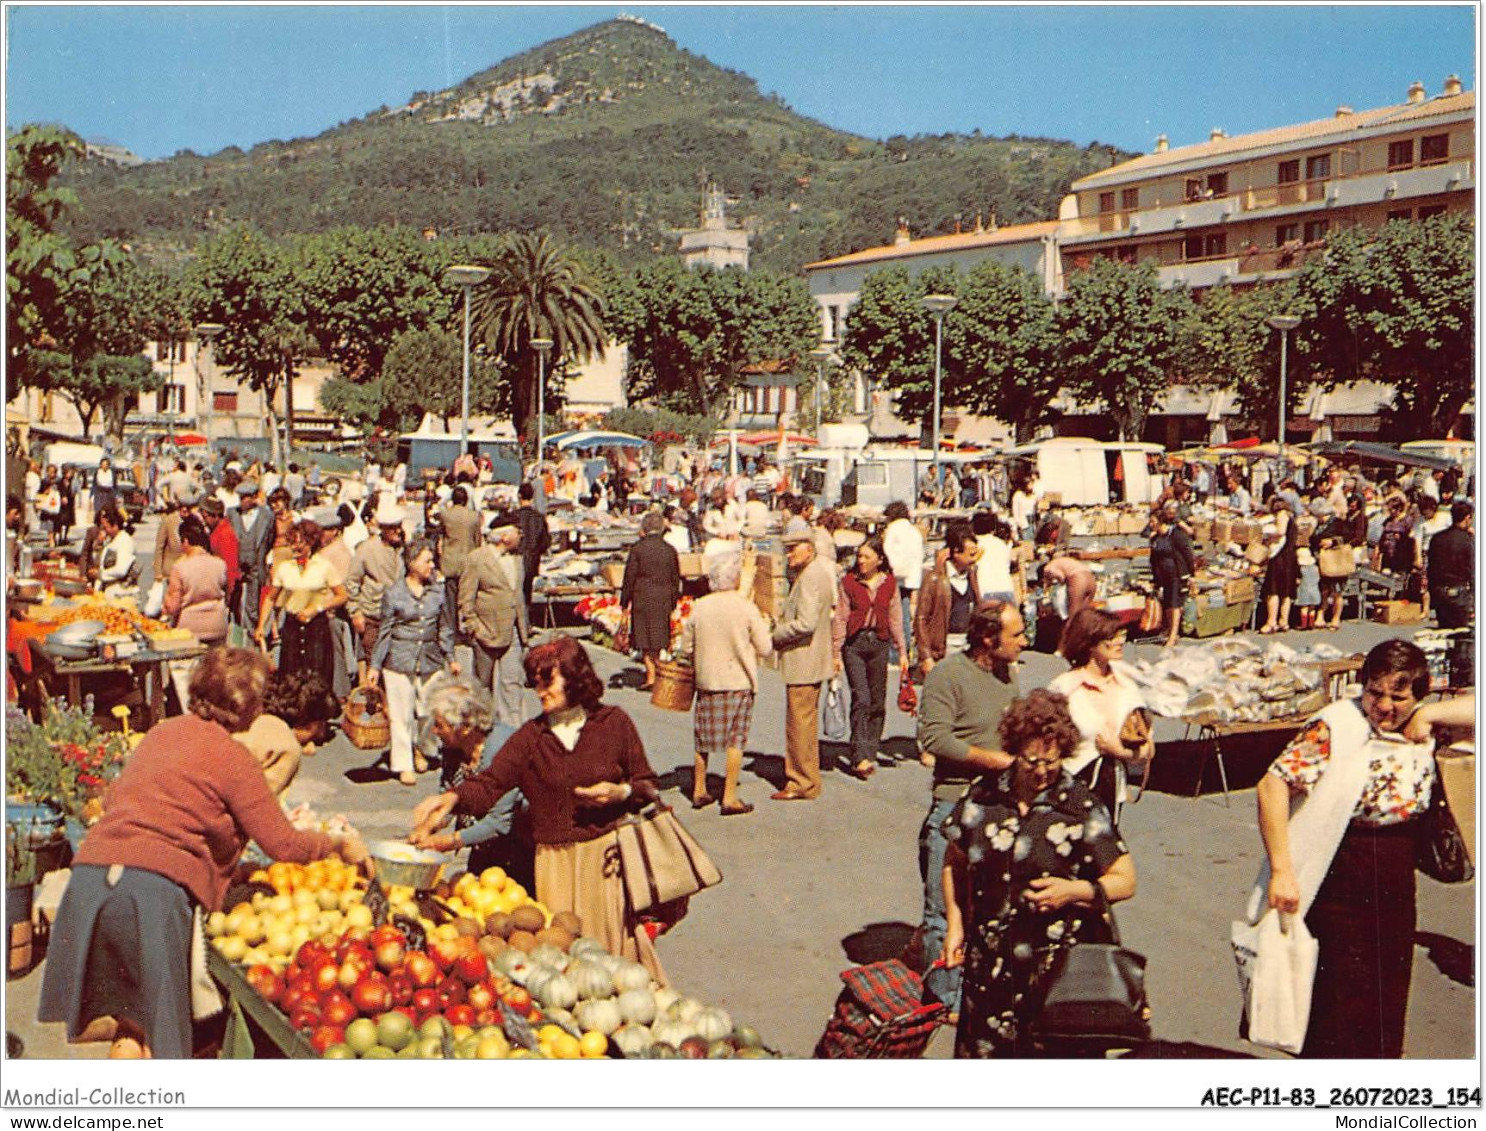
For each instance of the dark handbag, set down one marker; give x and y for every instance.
(1439, 851)
(1095, 993)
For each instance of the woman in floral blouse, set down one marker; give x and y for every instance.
(1028, 849)
(1360, 906)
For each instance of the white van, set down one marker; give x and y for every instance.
(63, 452)
(1080, 470)
(1461, 452)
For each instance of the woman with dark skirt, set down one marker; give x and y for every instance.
(304, 587)
(1282, 576)
(1361, 905)
(119, 965)
(652, 584)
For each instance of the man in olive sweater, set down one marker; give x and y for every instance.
(964, 697)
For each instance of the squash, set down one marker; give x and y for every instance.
(638, 1006)
(548, 955)
(665, 997)
(590, 980)
(513, 964)
(630, 976)
(602, 1015)
(558, 992)
(713, 1024)
(585, 947)
(670, 1033)
(537, 978)
(632, 1040)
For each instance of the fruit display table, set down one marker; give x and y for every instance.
(65, 675)
(256, 1030)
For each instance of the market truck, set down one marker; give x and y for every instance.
(1081, 471)
(869, 477)
(426, 453)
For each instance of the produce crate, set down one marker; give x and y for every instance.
(1202, 619)
(769, 596)
(1202, 529)
(1238, 590)
(1222, 530)
(1397, 612)
(1131, 522)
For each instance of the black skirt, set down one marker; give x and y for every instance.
(1363, 918)
(309, 646)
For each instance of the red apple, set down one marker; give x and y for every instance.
(306, 1017)
(445, 952)
(425, 1001)
(325, 976)
(390, 954)
(337, 1009)
(265, 981)
(352, 970)
(310, 954)
(386, 933)
(518, 999)
(484, 1017)
(324, 1036)
(422, 969)
(402, 989)
(480, 996)
(471, 967)
(460, 1015)
(451, 991)
(371, 997)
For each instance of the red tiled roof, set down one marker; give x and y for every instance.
(929, 245)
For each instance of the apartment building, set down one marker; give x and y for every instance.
(1248, 209)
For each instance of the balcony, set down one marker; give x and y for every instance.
(1366, 186)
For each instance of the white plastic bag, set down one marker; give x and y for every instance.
(834, 722)
(1276, 961)
(154, 600)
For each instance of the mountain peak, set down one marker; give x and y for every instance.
(623, 59)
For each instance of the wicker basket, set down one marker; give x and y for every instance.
(365, 722)
(674, 686)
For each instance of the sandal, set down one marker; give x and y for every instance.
(737, 810)
(703, 801)
(861, 771)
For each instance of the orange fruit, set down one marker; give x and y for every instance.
(593, 1044)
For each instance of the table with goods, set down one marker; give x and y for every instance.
(317, 961)
(1236, 687)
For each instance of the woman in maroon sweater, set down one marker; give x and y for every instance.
(176, 823)
(582, 767)
(862, 631)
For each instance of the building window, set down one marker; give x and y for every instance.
(170, 399)
(1284, 233)
(1288, 172)
(1401, 154)
(1217, 184)
(840, 321)
(1106, 202)
(1316, 230)
(1129, 199)
(1400, 214)
(1434, 149)
(1194, 188)
(1318, 168)
(1428, 210)
(833, 316)
(1125, 254)
(224, 402)
(1216, 244)
(1205, 247)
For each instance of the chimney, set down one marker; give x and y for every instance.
(1217, 134)
(1344, 111)
(1452, 85)
(902, 235)
(1416, 92)
(1161, 143)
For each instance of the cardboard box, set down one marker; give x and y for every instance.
(769, 595)
(614, 573)
(1222, 530)
(1458, 776)
(1132, 522)
(1239, 589)
(691, 565)
(1202, 529)
(768, 566)
(1397, 612)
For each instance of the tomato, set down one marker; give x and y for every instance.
(323, 1036)
(460, 1015)
(451, 991)
(371, 997)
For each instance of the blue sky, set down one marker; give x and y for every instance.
(163, 78)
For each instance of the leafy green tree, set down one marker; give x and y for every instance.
(248, 285)
(537, 290)
(365, 286)
(362, 403)
(1119, 339)
(424, 372)
(1000, 347)
(890, 338)
(691, 334)
(1395, 305)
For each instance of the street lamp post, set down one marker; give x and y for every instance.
(543, 346)
(467, 276)
(205, 333)
(823, 356)
(1284, 323)
(938, 306)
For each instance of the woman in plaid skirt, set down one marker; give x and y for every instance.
(725, 636)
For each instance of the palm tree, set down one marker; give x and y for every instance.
(537, 290)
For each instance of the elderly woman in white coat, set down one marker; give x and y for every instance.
(725, 636)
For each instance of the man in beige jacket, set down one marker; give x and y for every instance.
(803, 640)
(725, 636)
(493, 615)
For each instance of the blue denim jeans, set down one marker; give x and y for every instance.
(905, 596)
(944, 984)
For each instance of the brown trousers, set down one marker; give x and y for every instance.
(802, 738)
